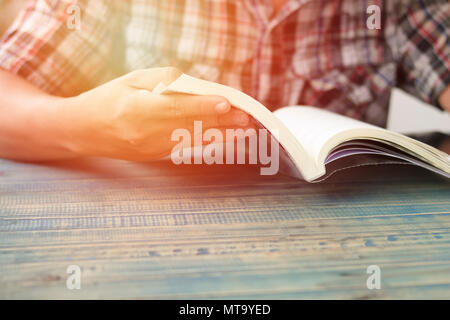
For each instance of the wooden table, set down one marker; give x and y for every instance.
(160, 231)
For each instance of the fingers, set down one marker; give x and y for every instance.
(182, 110)
(148, 79)
(234, 118)
(213, 110)
(181, 105)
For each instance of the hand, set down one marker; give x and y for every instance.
(444, 99)
(124, 119)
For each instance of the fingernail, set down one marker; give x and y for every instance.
(222, 107)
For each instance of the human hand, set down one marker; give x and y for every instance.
(124, 119)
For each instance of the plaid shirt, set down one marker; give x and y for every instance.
(312, 52)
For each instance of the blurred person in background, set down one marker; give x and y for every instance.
(76, 76)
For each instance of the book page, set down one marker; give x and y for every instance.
(315, 127)
(319, 131)
(191, 85)
(308, 134)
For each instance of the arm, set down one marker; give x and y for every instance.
(422, 37)
(24, 133)
(444, 99)
(121, 119)
(31, 122)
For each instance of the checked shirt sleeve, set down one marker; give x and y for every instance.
(423, 40)
(44, 47)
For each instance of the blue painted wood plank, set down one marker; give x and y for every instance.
(162, 231)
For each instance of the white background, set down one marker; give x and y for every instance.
(410, 115)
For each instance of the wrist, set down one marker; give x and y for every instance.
(53, 127)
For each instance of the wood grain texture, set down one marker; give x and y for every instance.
(158, 231)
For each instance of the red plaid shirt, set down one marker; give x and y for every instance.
(312, 52)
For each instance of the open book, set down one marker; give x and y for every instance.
(313, 138)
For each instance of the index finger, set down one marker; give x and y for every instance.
(185, 105)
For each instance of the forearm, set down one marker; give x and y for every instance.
(444, 99)
(34, 125)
